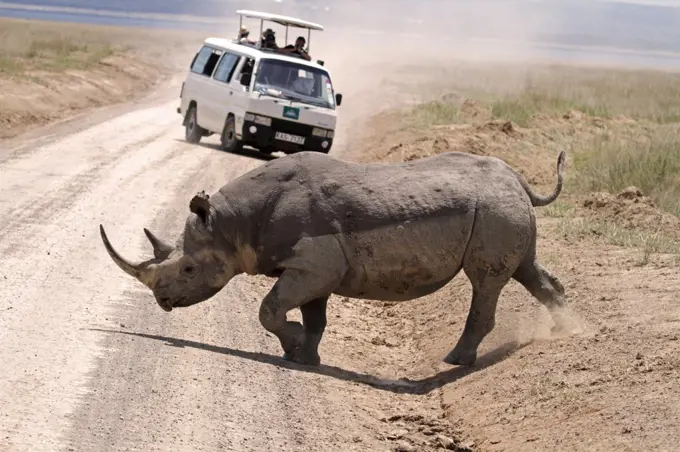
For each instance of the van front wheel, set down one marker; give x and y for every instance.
(192, 131)
(229, 141)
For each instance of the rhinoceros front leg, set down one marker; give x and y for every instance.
(294, 289)
(308, 280)
(314, 324)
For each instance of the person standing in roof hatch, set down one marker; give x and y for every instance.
(298, 48)
(243, 36)
(269, 40)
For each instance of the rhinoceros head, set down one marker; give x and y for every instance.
(187, 273)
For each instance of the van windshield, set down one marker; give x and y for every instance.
(290, 80)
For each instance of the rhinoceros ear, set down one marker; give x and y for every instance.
(200, 205)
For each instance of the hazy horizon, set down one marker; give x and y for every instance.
(639, 25)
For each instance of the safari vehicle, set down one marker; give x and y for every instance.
(254, 96)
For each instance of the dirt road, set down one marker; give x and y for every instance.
(89, 361)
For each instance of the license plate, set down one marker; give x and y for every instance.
(290, 138)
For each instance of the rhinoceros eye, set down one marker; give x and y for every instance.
(189, 269)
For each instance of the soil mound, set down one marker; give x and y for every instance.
(631, 209)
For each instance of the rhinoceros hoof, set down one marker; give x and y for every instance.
(300, 357)
(457, 358)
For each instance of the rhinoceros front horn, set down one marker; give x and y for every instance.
(161, 250)
(131, 269)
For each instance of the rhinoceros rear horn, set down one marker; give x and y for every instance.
(161, 250)
(135, 270)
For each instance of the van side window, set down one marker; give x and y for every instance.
(206, 60)
(225, 69)
(248, 66)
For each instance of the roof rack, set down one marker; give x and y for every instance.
(286, 21)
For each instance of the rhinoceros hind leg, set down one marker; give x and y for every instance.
(480, 322)
(546, 288)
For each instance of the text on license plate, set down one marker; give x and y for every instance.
(290, 138)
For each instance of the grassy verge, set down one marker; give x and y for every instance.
(653, 165)
(628, 134)
(648, 242)
(519, 92)
(558, 209)
(53, 56)
(51, 70)
(433, 114)
(30, 46)
(521, 108)
(608, 156)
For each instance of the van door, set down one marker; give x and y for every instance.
(224, 100)
(198, 83)
(242, 92)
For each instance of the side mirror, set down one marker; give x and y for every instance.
(245, 79)
(338, 99)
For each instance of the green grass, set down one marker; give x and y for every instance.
(434, 114)
(522, 107)
(517, 92)
(27, 45)
(614, 161)
(558, 209)
(54, 56)
(652, 166)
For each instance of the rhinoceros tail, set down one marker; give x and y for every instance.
(538, 200)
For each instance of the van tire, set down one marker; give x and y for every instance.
(228, 138)
(192, 131)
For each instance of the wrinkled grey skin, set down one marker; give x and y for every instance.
(393, 232)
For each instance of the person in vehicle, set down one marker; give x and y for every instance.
(298, 48)
(303, 85)
(243, 36)
(269, 40)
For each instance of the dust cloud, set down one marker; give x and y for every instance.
(412, 31)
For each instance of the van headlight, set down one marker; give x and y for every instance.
(330, 134)
(319, 132)
(257, 119)
(263, 120)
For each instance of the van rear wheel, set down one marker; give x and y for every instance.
(229, 141)
(192, 131)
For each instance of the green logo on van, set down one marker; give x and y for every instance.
(291, 112)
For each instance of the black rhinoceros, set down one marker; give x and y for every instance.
(394, 232)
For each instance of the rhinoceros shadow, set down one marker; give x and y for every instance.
(402, 386)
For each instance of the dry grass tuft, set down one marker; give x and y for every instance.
(26, 47)
(652, 165)
(610, 100)
(577, 229)
(520, 92)
(620, 129)
(52, 70)
(434, 114)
